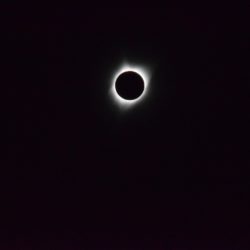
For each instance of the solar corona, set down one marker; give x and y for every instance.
(129, 85)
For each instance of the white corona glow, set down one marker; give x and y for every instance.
(143, 72)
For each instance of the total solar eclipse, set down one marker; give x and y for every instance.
(129, 85)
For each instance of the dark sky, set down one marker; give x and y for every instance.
(170, 173)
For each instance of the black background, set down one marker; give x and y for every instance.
(171, 173)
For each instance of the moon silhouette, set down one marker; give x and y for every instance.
(129, 85)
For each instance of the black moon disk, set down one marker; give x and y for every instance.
(129, 85)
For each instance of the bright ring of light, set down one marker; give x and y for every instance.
(137, 69)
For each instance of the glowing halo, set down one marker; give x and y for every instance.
(144, 73)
